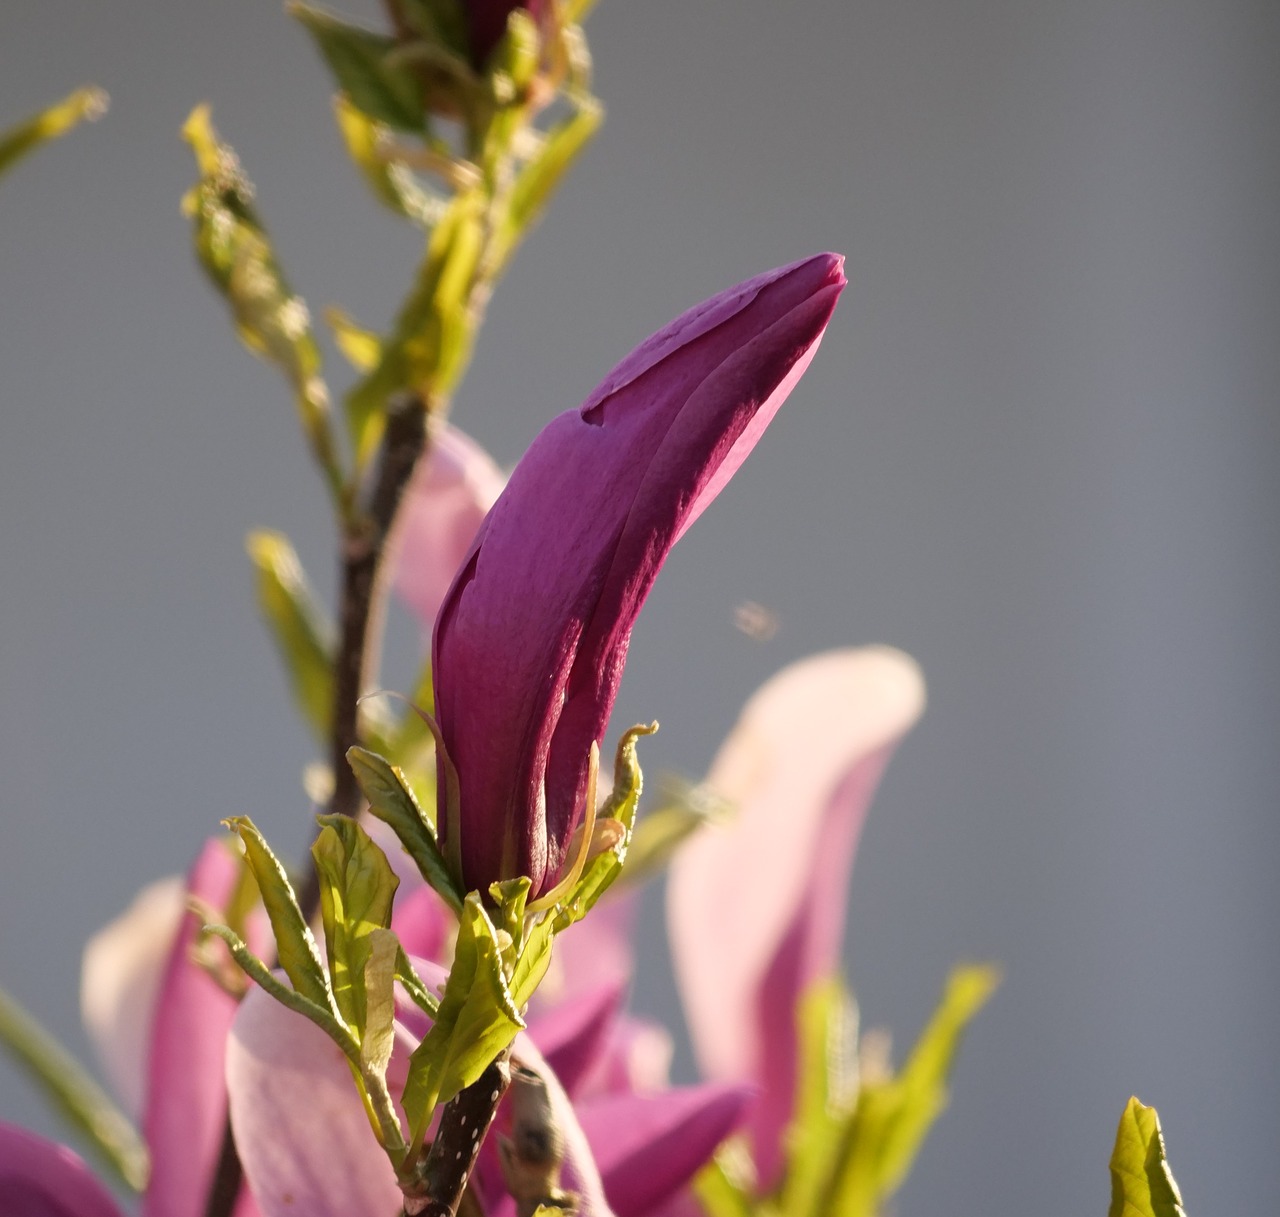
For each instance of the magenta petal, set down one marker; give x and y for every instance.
(531, 640)
(186, 1107)
(39, 1178)
(300, 1127)
(444, 504)
(649, 1147)
(574, 1036)
(800, 767)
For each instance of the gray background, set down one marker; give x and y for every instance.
(1039, 450)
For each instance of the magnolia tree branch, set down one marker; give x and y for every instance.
(363, 588)
(464, 1122)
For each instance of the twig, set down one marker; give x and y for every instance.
(463, 1125)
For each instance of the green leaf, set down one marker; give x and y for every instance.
(357, 888)
(391, 181)
(75, 1094)
(303, 635)
(827, 1091)
(893, 1116)
(442, 22)
(393, 802)
(719, 1193)
(476, 1020)
(366, 69)
(541, 177)
(419, 994)
(435, 326)
(380, 1000)
(295, 944)
(1142, 1185)
(362, 347)
(323, 1016)
(233, 248)
(88, 103)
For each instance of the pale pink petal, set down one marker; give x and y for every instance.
(41, 1179)
(120, 976)
(763, 897)
(648, 1148)
(186, 1106)
(448, 497)
(300, 1127)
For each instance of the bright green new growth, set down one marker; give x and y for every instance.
(857, 1127)
(1142, 1185)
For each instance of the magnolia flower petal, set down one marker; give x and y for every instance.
(446, 500)
(300, 1127)
(800, 767)
(637, 1059)
(574, 1036)
(39, 1178)
(120, 976)
(186, 1106)
(649, 1147)
(596, 953)
(531, 639)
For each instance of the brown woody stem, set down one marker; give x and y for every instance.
(464, 1122)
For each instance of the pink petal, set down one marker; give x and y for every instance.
(574, 1036)
(531, 640)
(186, 1106)
(593, 954)
(41, 1179)
(120, 975)
(300, 1127)
(637, 1059)
(648, 1148)
(450, 494)
(756, 907)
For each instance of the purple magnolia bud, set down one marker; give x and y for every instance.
(532, 636)
(487, 22)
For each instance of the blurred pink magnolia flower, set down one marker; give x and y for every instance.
(160, 1024)
(799, 768)
(531, 639)
(306, 1143)
(446, 500)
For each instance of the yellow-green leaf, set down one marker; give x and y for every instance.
(476, 1020)
(1142, 1185)
(295, 945)
(357, 888)
(893, 1116)
(393, 802)
(367, 69)
(391, 181)
(233, 248)
(86, 104)
(303, 636)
